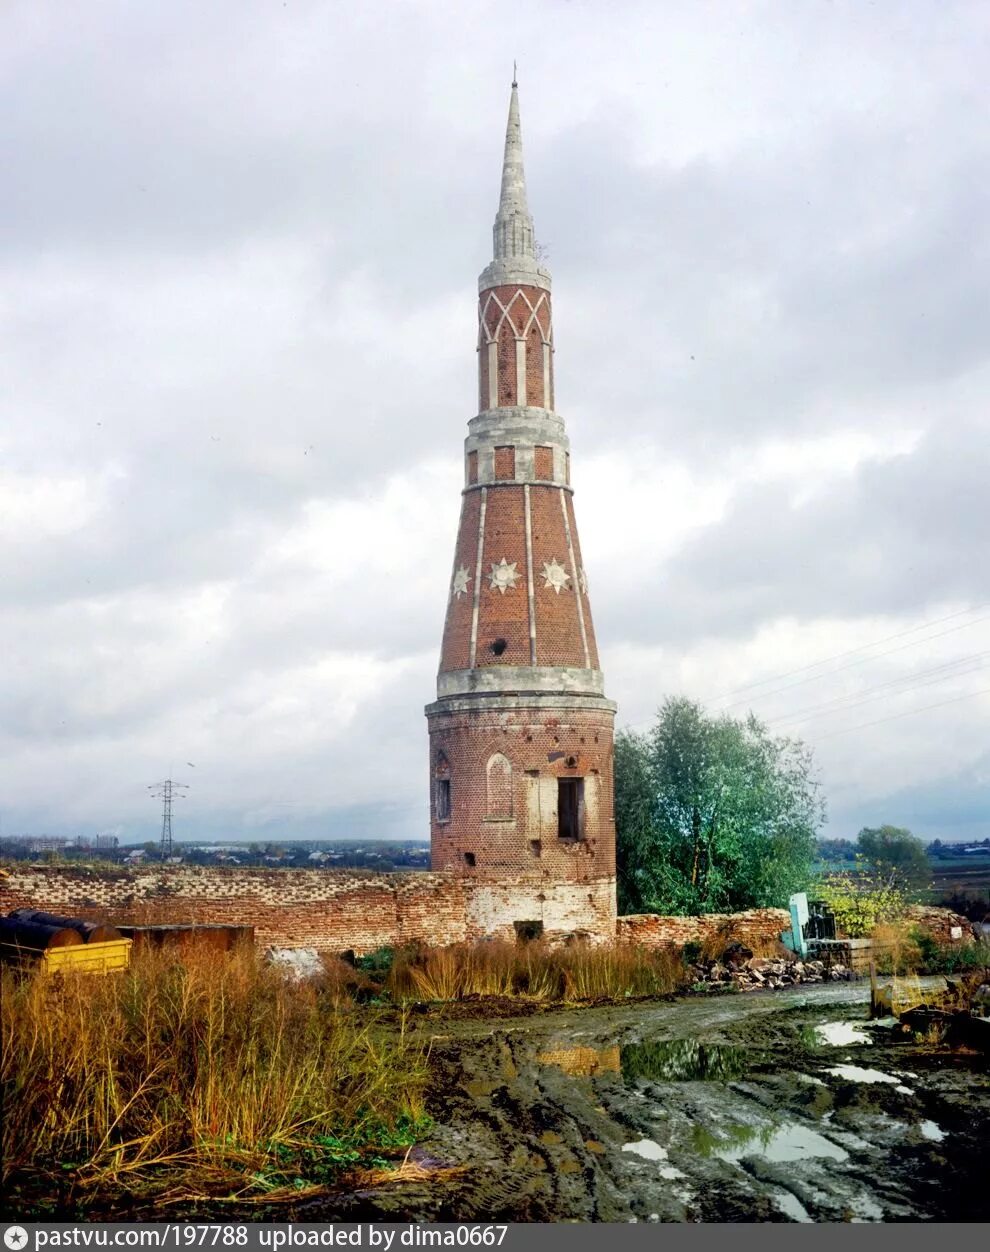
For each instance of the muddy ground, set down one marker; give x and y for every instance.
(780, 1106)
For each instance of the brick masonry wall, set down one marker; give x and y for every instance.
(538, 745)
(943, 925)
(650, 930)
(330, 911)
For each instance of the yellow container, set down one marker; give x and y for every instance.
(83, 958)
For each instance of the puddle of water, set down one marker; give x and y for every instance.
(856, 1073)
(784, 1143)
(865, 1209)
(582, 1062)
(841, 1034)
(929, 1130)
(684, 1060)
(647, 1149)
(791, 1206)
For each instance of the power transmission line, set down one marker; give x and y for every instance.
(167, 791)
(838, 656)
(910, 713)
(862, 660)
(854, 698)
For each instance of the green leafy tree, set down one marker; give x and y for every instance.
(712, 813)
(893, 851)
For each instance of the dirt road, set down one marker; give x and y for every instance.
(764, 1107)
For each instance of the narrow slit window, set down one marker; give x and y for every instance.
(443, 799)
(570, 808)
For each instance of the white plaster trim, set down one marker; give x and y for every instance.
(547, 398)
(477, 577)
(552, 679)
(574, 579)
(529, 577)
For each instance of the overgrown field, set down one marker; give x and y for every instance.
(216, 1077)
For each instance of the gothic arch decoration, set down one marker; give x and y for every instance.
(498, 774)
(493, 315)
(441, 787)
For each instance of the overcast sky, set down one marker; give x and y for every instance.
(239, 245)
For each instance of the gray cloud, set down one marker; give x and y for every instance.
(237, 257)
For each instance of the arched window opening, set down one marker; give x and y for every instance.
(441, 788)
(499, 779)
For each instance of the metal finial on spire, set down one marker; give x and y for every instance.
(514, 83)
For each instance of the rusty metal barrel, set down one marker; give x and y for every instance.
(90, 932)
(36, 936)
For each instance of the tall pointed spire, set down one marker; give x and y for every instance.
(513, 230)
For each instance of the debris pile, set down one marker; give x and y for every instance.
(738, 969)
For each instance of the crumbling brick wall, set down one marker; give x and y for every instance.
(943, 925)
(651, 930)
(331, 911)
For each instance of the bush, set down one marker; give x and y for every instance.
(859, 903)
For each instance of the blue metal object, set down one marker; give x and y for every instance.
(794, 938)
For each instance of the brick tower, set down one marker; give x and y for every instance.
(521, 732)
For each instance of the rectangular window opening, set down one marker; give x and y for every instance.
(470, 859)
(443, 799)
(570, 808)
(528, 931)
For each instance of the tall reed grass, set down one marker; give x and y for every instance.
(212, 1075)
(534, 971)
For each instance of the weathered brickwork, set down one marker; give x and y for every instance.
(521, 731)
(650, 930)
(336, 911)
(503, 614)
(540, 749)
(508, 315)
(945, 926)
(456, 650)
(331, 911)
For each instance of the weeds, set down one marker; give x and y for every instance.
(213, 1075)
(534, 971)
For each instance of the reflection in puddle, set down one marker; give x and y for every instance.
(840, 1034)
(855, 1073)
(789, 1142)
(684, 1060)
(582, 1062)
(791, 1206)
(865, 1209)
(648, 1149)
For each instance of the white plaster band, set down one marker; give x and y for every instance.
(535, 702)
(552, 679)
(576, 583)
(514, 272)
(529, 576)
(477, 576)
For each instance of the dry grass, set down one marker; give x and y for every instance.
(895, 949)
(534, 971)
(217, 1074)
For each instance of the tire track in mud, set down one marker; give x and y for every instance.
(696, 1110)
